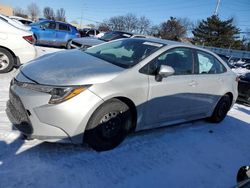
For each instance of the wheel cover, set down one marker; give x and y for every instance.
(110, 124)
(4, 61)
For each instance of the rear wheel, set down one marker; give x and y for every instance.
(221, 109)
(6, 61)
(111, 122)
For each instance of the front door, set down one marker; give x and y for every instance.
(173, 99)
(47, 33)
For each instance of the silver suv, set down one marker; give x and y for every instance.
(101, 94)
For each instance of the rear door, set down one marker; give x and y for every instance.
(62, 34)
(211, 80)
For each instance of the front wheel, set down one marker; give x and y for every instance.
(6, 61)
(68, 45)
(111, 122)
(221, 109)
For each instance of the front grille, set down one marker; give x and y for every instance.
(17, 114)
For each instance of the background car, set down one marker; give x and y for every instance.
(16, 46)
(87, 32)
(114, 88)
(15, 23)
(243, 177)
(244, 89)
(24, 21)
(54, 33)
(87, 42)
(226, 60)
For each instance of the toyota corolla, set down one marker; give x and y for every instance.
(100, 95)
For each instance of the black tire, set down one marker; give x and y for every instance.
(221, 109)
(7, 61)
(112, 122)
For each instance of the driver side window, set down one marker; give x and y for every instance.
(180, 59)
(48, 25)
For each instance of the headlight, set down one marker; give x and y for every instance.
(58, 94)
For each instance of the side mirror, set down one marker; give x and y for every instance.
(164, 72)
(42, 27)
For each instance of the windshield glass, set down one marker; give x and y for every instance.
(114, 35)
(124, 53)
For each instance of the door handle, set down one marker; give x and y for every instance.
(193, 83)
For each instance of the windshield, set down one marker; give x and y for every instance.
(114, 35)
(124, 53)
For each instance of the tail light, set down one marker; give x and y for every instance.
(78, 35)
(30, 39)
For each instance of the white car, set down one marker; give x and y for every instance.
(16, 46)
(15, 23)
(22, 20)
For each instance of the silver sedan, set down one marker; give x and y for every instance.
(101, 94)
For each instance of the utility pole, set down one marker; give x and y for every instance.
(217, 7)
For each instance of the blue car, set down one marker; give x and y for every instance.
(54, 33)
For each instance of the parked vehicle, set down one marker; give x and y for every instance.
(87, 42)
(15, 23)
(243, 177)
(24, 21)
(86, 32)
(226, 60)
(100, 94)
(244, 89)
(54, 33)
(16, 46)
(246, 65)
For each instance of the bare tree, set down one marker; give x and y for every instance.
(60, 15)
(91, 25)
(143, 25)
(116, 23)
(48, 13)
(129, 23)
(33, 10)
(104, 27)
(20, 12)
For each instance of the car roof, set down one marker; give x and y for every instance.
(122, 32)
(163, 41)
(171, 43)
(55, 21)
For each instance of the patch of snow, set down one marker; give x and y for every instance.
(46, 50)
(240, 71)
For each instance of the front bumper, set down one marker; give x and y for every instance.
(31, 114)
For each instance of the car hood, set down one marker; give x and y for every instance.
(89, 41)
(70, 67)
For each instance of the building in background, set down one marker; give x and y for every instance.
(6, 10)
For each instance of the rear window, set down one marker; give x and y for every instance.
(64, 27)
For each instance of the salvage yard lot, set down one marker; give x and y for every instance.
(196, 154)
